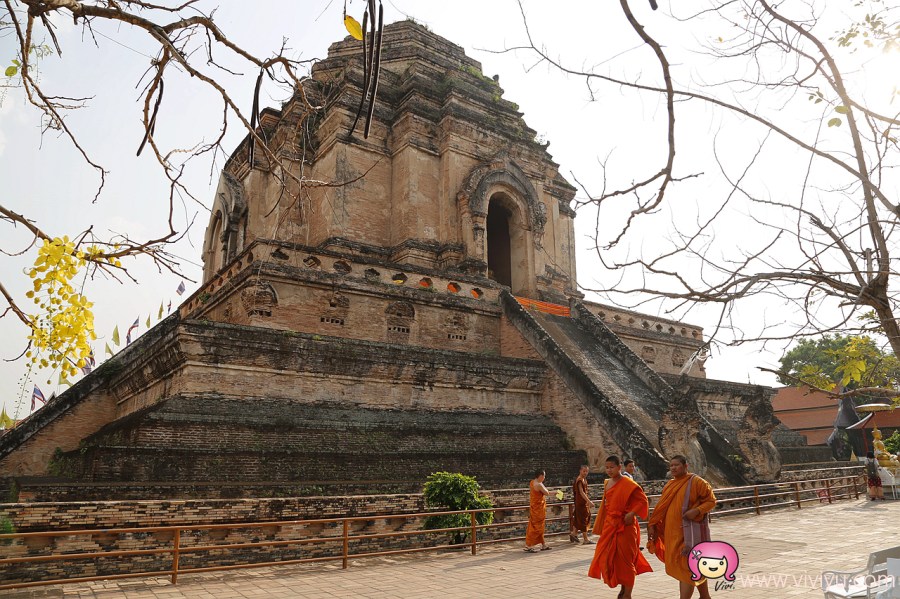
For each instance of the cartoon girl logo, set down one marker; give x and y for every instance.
(713, 559)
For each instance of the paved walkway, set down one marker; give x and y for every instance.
(782, 556)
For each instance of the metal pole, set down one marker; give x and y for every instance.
(797, 493)
(175, 554)
(474, 541)
(756, 499)
(346, 550)
(828, 489)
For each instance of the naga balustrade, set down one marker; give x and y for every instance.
(731, 501)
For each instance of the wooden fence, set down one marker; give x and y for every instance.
(731, 501)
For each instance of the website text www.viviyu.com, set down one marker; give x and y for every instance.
(801, 580)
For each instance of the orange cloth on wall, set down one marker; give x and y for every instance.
(537, 517)
(667, 519)
(617, 556)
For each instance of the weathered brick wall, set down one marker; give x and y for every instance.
(104, 515)
(64, 432)
(314, 291)
(195, 358)
(513, 344)
(662, 343)
(119, 514)
(210, 439)
(582, 427)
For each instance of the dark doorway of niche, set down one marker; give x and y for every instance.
(498, 242)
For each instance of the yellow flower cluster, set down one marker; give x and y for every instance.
(64, 323)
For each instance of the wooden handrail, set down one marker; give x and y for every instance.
(345, 537)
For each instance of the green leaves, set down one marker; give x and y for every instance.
(842, 109)
(454, 491)
(853, 371)
(848, 361)
(892, 443)
(13, 69)
(835, 122)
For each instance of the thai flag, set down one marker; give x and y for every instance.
(133, 326)
(90, 359)
(37, 395)
(181, 288)
(170, 306)
(86, 369)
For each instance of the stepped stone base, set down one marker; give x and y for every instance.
(215, 446)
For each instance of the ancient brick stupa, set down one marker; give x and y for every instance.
(421, 316)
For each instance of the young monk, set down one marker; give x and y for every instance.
(537, 514)
(664, 528)
(581, 512)
(617, 557)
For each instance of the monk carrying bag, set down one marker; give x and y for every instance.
(694, 532)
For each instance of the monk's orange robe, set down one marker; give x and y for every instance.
(617, 556)
(581, 512)
(537, 517)
(666, 518)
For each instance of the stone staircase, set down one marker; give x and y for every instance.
(618, 388)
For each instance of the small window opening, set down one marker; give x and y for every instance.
(312, 262)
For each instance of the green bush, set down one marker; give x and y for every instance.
(455, 491)
(892, 443)
(6, 528)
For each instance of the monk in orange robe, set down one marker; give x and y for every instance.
(537, 514)
(580, 521)
(617, 557)
(664, 529)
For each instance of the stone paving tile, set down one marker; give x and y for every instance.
(782, 557)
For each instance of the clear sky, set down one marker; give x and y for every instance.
(44, 177)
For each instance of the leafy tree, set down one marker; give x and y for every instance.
(455, 491)
(819, 354)
(840, 361)
(892, 443)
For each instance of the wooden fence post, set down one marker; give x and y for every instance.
(346, 545)
(175, 554)
(474, 540)
(756, 499)
(855, 487)
(828, 489)
(797, 493)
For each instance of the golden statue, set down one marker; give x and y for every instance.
(885, 459)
